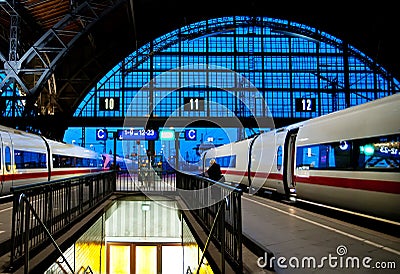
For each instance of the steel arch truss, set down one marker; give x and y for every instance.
(33, 74)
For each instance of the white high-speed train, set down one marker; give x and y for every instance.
(27, 158)
(122, 163)
(349, 159)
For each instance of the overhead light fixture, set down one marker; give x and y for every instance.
(145, 207)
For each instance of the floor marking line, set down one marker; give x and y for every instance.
(8, 208)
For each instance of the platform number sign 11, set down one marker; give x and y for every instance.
(305, 104)
(109, 103)
(193, 103)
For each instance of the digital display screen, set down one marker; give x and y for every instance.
(137, 134)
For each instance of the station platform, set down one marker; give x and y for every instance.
(294, 240)
(306, 242)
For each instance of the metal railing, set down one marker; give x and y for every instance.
(145, 180)
(56, 205)
(217, 208)
(26, 208)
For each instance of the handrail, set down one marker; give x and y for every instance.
(57, 204)
(209, 238)
(222, 220)
(22, 198)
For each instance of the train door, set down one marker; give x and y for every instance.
(6, 163)
(289, 161)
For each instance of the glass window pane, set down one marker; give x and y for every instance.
(7, 159)
(146, 259)
(172, 258)
(120, 259)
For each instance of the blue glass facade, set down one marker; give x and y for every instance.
(241, 66)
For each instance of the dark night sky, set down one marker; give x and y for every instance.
(372, 29)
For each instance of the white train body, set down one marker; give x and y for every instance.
(122, 163)
(27, 158)
(347, 159)
(234, 167)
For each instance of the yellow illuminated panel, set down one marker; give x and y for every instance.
(146, 259)
(120, 259)
(89, 254)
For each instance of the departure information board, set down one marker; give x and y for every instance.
(137, 134)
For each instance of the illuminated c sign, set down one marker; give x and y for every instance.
(190, 135)
(101, 134)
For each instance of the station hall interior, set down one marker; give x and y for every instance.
(160, 83)
(90, 61)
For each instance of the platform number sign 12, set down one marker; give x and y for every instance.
(109, 103)
(305, 104)
(193, 103)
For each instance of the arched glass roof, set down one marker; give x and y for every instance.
(239, 66)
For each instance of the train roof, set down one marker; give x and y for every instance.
(71, 150)
(375, 118)
(386, 103)
(16, 131)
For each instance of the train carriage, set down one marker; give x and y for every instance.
(229, 157)
(349, 159)
(27, 158)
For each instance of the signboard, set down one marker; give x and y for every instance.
(137, 134)
(101, 134)
(167, 134)
(109, 103)
(305, 104)
(190, 135)
(193, 103)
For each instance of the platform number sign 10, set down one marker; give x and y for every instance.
(193, 103)
(305, 104)
(109, 103)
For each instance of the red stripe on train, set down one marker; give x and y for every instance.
(76, 171)
(37, 175)
(370, 185)
(274, 176)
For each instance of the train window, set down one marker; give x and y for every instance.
(279, 155)
(225, 161)
(342, 152)
(325, 156)
(29, 159)
(379, 153)
(7, 158)
(71, 161)
(307, 157)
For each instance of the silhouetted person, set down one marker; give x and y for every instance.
(214, 171)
